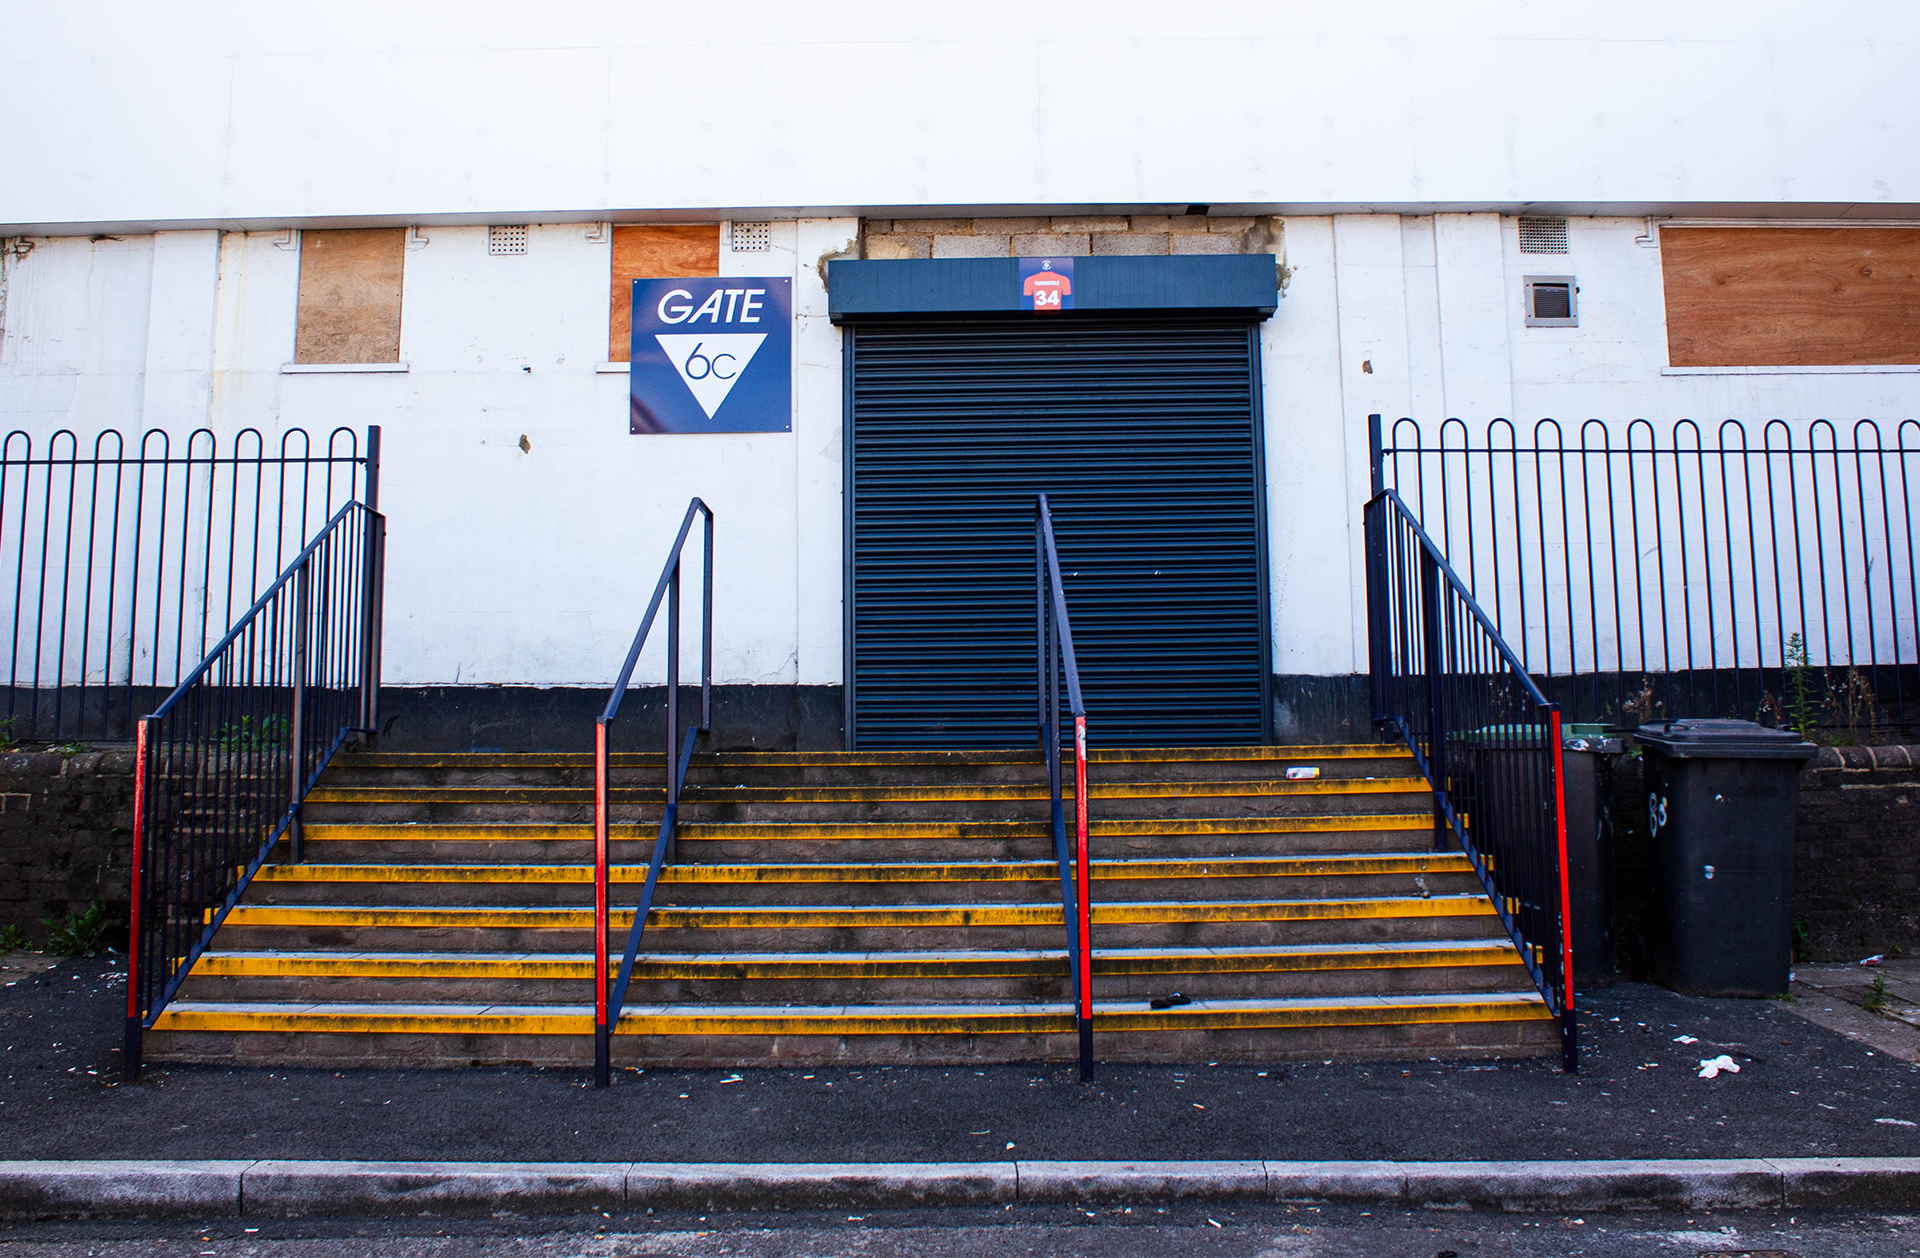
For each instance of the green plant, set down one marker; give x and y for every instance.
(1856, 703)
(250, 735)
(8, 741)
(77, 934)
(1801, 707)
(12, 938)
(1800, 939)
(68, 750)
(1876, 995)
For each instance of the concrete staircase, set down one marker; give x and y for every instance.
(863, 907)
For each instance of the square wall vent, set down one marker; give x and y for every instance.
(751, 237)
(1553, 301)
(1543, 235)
(507, 239)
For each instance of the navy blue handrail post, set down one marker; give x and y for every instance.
(609, 997)
(1054, 657)
(1484, 736)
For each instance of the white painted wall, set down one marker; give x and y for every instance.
(532, 566)
(505, 565)
(222, 113)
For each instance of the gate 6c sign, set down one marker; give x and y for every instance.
(712, 355)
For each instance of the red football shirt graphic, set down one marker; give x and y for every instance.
(1047, 288)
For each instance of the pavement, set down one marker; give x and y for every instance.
(1874, 1001)
(1804, 1095)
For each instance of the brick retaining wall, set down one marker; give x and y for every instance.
(64, 836)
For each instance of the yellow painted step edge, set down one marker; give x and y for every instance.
(959, 871)
(781, 917)
(1012, 792)
(827, 965)
(799, 831)
(1016, 1021)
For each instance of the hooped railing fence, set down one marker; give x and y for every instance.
(609, 1000)
(1055, 665)
(129, 560)
(224, 763)
(1485, 737)
(1698, 570)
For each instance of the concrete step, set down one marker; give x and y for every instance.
(983, 882)
(859, 928)
(721, 1035)
(846, 768)
(870, 803)
(1015, 975)
(840, 842)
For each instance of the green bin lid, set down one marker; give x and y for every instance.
(1518, 736)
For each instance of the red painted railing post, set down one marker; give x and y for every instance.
(1569, 1029)
(130, 1050)
(602, 1033)
(1085, 897)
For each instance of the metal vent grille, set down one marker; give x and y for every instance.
(1543, 235)
(507, 239)
(751, 237)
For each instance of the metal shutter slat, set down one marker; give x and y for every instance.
(1144, 435)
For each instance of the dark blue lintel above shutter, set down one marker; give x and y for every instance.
(1235, 283)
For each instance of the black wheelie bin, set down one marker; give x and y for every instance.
(1720, 813)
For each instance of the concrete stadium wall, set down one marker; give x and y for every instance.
(516, 565)
(591, 107)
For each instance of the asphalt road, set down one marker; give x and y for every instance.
(1143, 1232)
(1801, 1091)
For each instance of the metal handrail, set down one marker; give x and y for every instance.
(1053, 656)
(1447, 683)
(608, 1003)
(233, 751)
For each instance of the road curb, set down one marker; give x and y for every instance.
(288, 1188)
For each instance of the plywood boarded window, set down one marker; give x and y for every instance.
(655, 252)
(349, 308)
(1791, 296)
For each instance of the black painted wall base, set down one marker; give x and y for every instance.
(533, 718)
(767, 718)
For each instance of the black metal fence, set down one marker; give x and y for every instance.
(223, 764)
(1698, 571)
(128, 560)
(1486, 739)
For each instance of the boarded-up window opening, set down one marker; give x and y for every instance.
(1791, 296)
(653, 251)
(350, 288)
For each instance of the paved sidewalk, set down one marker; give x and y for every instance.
(1802, 1091)
(1876, 1005)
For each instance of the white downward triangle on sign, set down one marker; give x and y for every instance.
(710, 362)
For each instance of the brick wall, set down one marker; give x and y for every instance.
(64, 836)
(1856, 855)
(1080, 235)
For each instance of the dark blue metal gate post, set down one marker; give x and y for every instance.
(1432, 649)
